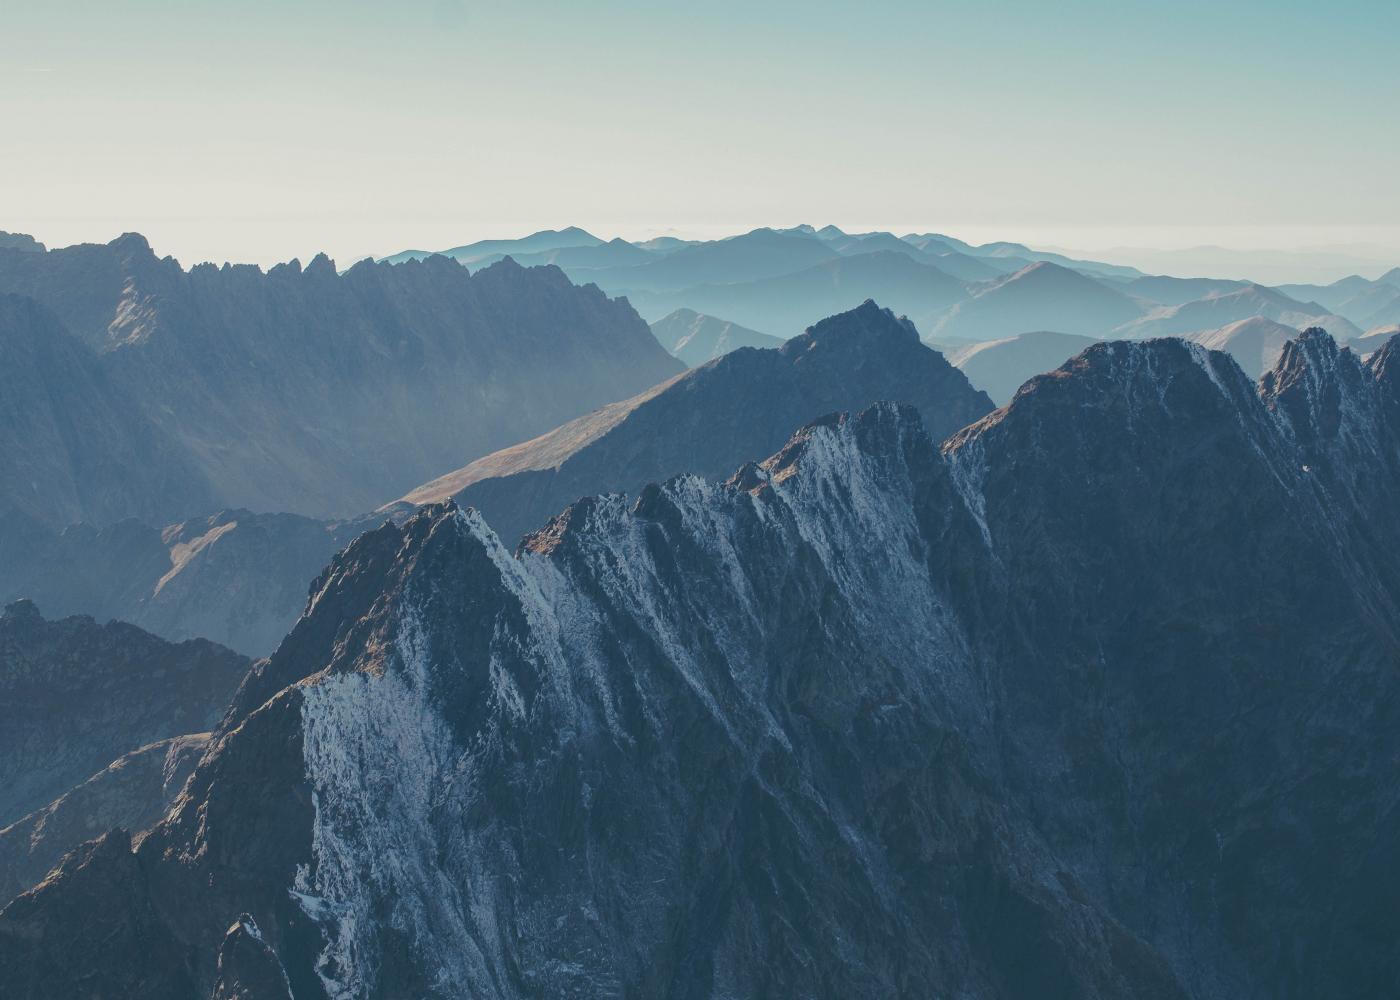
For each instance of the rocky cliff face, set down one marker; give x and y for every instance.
(1096, 700)
(298, 389)
(74, 443)
(76, 695)
(714, 418)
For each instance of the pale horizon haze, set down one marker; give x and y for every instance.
(259, 132)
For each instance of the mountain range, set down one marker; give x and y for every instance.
(78, 694)
(780, 281)
(1026, 714)
(711, 419)
(134, 388)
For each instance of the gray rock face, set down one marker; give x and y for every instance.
(20, 241)
(237, 578)
(297, 390)
(74, 443)
(714, 418)
(133, 792)
(75, 695)
(248, 969)
(1026, 715)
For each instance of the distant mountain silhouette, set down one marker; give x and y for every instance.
(1373, 340)
(576, 261)
(1000, 367)
(547, 239)
(1223, 308)
(1038, 297)
(787, 304)
(1255, 343)
(696, 338)
(762, 253)
(1168, 291)
(1365, 303)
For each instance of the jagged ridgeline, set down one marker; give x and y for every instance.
(131, 387)
(1100, 698)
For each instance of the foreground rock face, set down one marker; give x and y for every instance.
(335, 393)
(714, 418)
(1100, 699)
(76, 695)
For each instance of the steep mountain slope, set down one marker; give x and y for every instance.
(1042, 296)
(784, 305)
(135, 792)
(236, 578)
(1223, 308)
(712, 418)
(317, 393)
(695, 338)
(1000, 367)
(74, 444)
(75, 695)
(1255, 343)
(1031, 716)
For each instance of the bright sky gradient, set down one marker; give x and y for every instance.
(259, 131)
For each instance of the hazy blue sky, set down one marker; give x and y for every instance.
(259, 130)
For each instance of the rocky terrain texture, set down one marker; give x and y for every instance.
(1027, 715)
(695, 338)
(237, 578)
(134, 792)
(74, 443)
(76, 695)
(714, 418)
(299, 389)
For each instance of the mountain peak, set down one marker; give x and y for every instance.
(22, 610)
(20, 241)
(865, 324)
(132, 242)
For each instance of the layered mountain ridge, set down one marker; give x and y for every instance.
(1026, 715)
(297, 390)
(711, 419)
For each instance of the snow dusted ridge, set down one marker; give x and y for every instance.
(405, 844)
(472, 782)
(873, 719)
